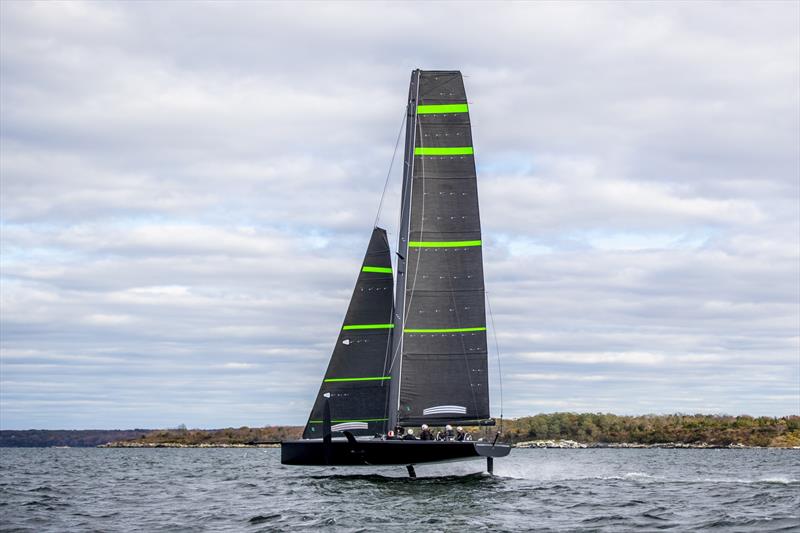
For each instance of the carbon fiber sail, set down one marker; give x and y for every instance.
(440, 325)
(356, 383)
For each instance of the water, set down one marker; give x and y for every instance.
(546, 490)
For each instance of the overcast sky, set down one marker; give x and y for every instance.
(188, 190)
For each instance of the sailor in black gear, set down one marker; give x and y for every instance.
(425, 434)
(409, 435)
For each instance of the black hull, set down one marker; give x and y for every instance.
(313, 452)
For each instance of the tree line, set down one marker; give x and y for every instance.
(719, 430)
(589, 428)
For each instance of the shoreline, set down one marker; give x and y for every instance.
(182, 445)
(574, 445)
(547, 444)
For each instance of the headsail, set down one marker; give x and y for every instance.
(357, 382)
(443, 373)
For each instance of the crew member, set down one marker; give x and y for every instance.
(409, 435)
(425, 434)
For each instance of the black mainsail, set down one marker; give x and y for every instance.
(440, 322)
(356, 384)
(423, 359)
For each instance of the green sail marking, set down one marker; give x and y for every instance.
(442, 244)
(454, 150)
(344, 421)
(369, 326)
(379, 270)
(442, 108)
(444, 330)
(375, 378)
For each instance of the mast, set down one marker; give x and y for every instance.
(402, 251)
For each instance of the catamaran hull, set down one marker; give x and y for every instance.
(314, 452)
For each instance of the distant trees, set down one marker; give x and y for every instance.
(582, 427)
(42, 438)
(651, 429)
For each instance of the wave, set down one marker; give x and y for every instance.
(644, 477)
(258, 519)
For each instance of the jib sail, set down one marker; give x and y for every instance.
(356, 383)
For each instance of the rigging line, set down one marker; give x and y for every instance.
(389, 173)
(388, 351)
(497, 351)
(407, 305)
(407, 309)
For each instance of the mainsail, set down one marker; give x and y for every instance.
(439, 355)
(356, 384)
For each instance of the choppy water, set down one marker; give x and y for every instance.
(545, 490)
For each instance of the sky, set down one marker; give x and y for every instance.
(187, 191)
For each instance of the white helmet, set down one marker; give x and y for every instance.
(410, 431)
(459, 428)
(424, 426)
(448, 427)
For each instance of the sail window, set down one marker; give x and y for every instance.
(445, 409)
(350, 426)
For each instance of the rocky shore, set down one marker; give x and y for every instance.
(134, 444)
(570, 444)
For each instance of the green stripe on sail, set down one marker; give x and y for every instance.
(454, 150)
(442, 244)
(379, 270)
(375, 378)
(369, 326)
(442, 108)
(444, 330)
(345, 421)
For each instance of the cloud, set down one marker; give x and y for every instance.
(186, 194)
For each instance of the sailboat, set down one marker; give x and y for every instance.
(418, 356)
